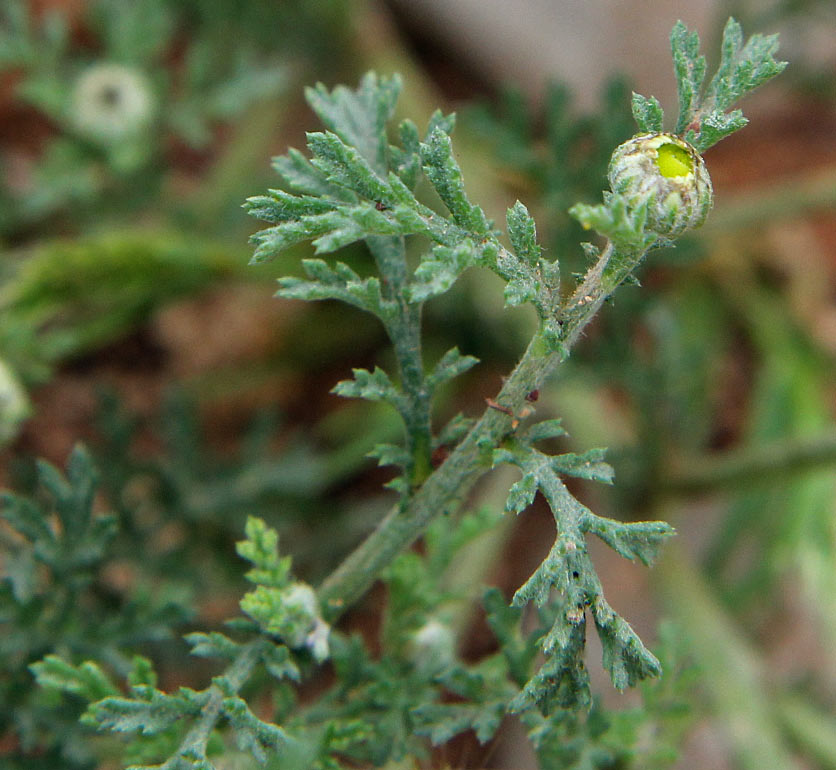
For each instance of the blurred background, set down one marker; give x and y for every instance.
(130, 134)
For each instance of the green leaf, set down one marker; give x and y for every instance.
(454, 431)
(588, 465)
(252, 735)
(440, 122)
(616, 220)
(523, 234)
(406, 160)
(569, 571)
(390, 454)
(271, 242)
(81, 539)
(301, 175)
(626, 659)
(339, 282)
(634, 540)
(703, 119)
(373, 386)
(150, 715)
(742, 67)
(689, 67)
(279, 206)
(213, 645)
(359, 116)
(438, 272)
(446, 177)
(142, 673)
(648, 113)
(536, 283)
(544, 430)
(21, 571)
(451, 365)
(522, 494)
(27, 518)
(441, 722)
(717, 126)
(262, 549)
(505, 621)
(562, 681)
(279, 663)
(87, 680)
(290, 613)
(345, 166)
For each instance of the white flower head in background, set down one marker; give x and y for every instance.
(111, 102)
(14, 404)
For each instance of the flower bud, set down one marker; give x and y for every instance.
(303, 626)
(668, 175)
(433, 647)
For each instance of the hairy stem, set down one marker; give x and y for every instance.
(448, 485)
(236, 675)
(404, 330)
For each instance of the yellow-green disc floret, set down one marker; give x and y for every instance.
(668, 176)
(673, 160)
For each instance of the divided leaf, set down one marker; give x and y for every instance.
(212, 645)
(634, 540)
(648, 113)
(252, 735)
(345, 166)
(301, 175)
(442, 721)
(359, 116)
(262, 549)
(704, 119)
(522, 494)
(337, 282)
(562, 681)
(438, 272)
(625, 657)
(742, 67)
(445, 175)
(86, 680)
(390, 454)
(588, 465)
(689, 67)
(523, 234)
(81, 538)
(372, 386)
(568, 572)
(451, 365)
(152, 712)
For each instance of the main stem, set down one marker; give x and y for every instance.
(447, 486)
(404, 330)
(236, 675)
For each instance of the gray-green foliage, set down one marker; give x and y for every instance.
(115, 103)
(53, 596)
(704, 111)
(560, 155)
(361, 186)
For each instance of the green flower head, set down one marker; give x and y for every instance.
(666, 174)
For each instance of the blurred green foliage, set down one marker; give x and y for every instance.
(706, 358)
(123, 95)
